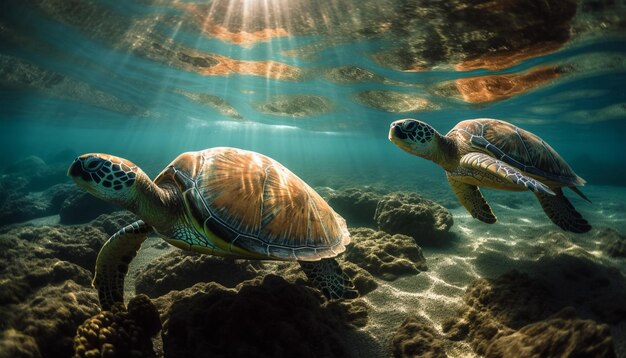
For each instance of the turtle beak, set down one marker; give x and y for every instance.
(395, 134)
(77, 172)
(76, 169)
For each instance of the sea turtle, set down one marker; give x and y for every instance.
(220, 201)
(498, 155)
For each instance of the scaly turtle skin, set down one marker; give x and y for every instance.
(498, 155)
(219, 201)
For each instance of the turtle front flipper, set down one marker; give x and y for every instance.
(327, 276)
(113, 259)
(562, 212)
(497, 174)
(472, 199)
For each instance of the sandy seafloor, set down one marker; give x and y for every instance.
(522, 239)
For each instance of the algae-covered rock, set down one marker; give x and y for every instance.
(113, 222)
(77, 244)
(519, 314)
(83, 207)
(21, 205)
(415, 338)
(383, 255)
(614, 241)
(562, 335)
(356, 205)
(179, 269)
(410, 214)
(45, 319)
(261, 318)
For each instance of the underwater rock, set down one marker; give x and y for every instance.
(415, 338)
(76, 244)
(15, 344)
(83, 207)
(113, 222)
(363, 281)
(410, 214)
(265, 318)
(120, 332)
(47, 306)
(31, 165)
(299, 105)
(22, 206)
(519, 309)
(384, 255)
(615, 242)
(395, 101)
(180, 269)
(562, 335)
(357, 206)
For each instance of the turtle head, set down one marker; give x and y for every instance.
(105, 176)
(415, 137)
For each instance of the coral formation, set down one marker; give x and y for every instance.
(384, 255)
(120, 332)
(265, 318)
(415, 338)
(356, 205)
(410, 214)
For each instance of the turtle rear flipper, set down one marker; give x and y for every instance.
(472, 199)
(562, 212)
(113, 259)
(327, 276)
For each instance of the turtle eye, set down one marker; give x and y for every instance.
(93, 164)
(409, 126)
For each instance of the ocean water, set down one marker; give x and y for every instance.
(315, 85)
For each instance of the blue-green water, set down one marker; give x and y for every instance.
(72, 79)
(315, 85)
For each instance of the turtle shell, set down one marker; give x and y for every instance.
(251, 206)
(517, 147)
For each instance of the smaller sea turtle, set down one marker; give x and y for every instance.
(219, 201)
(498, 155)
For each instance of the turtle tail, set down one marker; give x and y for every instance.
(580, 193)
(113, 260)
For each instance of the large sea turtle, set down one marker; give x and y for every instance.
(219, 201)
(495, 154)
